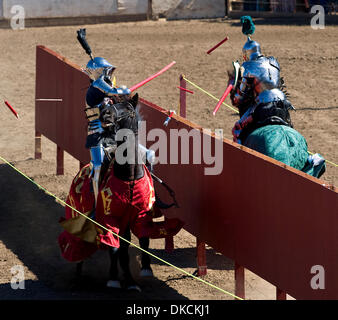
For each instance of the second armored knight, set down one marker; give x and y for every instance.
(265, 124)
(259, 97)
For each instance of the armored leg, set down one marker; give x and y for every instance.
(97, 156)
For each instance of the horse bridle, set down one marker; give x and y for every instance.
(130, 114)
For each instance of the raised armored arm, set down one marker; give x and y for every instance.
(108, 90)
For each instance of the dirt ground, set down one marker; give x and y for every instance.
(28, 217)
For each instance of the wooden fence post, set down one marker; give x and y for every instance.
(38, 151)
(280, 294)
(201, 258)
(59, 161)
(183, 97)
(239, 281)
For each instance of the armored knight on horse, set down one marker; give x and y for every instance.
(118, 196)
(265, 123)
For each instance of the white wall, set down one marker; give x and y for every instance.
(172, 9)
(132, 6)
(74, 8)
(161, 7)
(189, 9)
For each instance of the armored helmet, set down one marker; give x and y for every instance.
(251, 50)
(98, 67)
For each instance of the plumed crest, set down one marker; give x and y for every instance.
(81, 37)
(248, 27)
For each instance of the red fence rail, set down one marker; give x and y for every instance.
(269, 218)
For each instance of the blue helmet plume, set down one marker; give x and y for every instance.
(248, 27)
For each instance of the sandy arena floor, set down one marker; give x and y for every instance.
(28, 218)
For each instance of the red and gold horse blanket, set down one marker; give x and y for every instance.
(120, 204)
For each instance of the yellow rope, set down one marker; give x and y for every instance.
(210, 95)
(104, 228)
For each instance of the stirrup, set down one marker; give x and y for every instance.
(145, 273)
(115, 284)
(134, 287)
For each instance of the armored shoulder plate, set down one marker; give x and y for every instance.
(270, 96)
(264, 73)
(273, 62)
(109, 90)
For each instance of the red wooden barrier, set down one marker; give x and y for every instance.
(61, 122)
(200, 246)
(269, 218)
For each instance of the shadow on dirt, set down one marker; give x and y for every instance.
(186, 258)
(32, 290)
(29, 228)
(317, 109)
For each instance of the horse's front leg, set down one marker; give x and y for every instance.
(79, 269)
(113, 281)
(146, 270)
(124, 262)
(79, 280)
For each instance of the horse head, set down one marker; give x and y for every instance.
(120, 120)
(119, 114)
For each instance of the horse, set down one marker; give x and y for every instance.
(125, 201)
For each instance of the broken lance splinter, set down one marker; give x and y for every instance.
(184, 89)
(217, 45)
(225, 94)
(232, 85)
(11, 108)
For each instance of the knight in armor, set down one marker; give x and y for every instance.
(259, 95)
(100, 94)
(259, 98)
